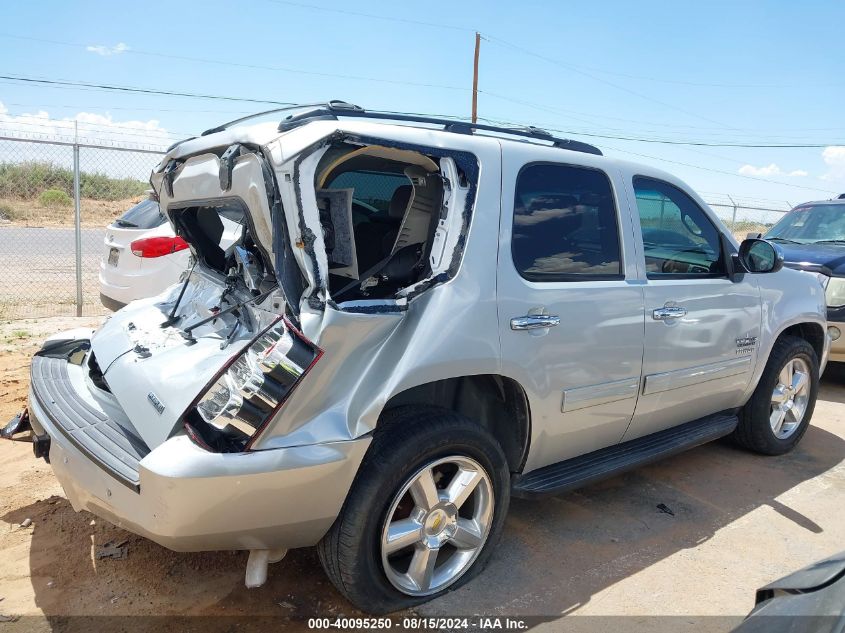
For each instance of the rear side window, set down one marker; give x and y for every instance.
(565, 225)
(678, 237)
(144, 215)
(373, 191)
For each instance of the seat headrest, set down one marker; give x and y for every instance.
(399, 201)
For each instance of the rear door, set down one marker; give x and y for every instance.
(570, 306)
(701, 328)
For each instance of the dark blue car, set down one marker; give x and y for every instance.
(812, 237)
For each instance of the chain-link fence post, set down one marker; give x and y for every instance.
(77, 220)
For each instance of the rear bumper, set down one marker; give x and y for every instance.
(112, 304)
(189, 499)
(150, 278)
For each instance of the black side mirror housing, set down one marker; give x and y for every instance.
(759, 256)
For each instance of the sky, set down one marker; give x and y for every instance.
(709, 72)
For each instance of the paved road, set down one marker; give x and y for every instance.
(28, 241)
(38, 270)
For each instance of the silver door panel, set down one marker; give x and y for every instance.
(595, 395)
(655, 383)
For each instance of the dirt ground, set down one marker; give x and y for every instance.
(737, 522)
(93, 213)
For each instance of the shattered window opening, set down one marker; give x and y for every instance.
(394, 199)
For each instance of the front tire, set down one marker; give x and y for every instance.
(779, 412)
(423, 514)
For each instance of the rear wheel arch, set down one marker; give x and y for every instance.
(495, 402)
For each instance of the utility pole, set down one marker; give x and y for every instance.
(475, 78)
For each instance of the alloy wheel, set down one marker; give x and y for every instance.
(790, 398)
(437, 525)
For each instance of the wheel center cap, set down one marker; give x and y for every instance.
(436, 521)
(439, 524)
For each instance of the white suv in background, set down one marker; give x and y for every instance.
(143, 256)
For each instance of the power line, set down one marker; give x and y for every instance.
(451, 27)
(590, 121)
(221, 62)
(668, 141)
(564, 131)
(719, 171)
(131, 89)
(373, 16)
(112, 107)
(69, 124)
(579, 71)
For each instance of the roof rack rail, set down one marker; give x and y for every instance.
(224, 126)
(334, 109)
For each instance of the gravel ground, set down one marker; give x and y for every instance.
(739, 521)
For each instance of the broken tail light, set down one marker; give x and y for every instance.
(242, 399)
(157, 246)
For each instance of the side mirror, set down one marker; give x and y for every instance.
(760, 256)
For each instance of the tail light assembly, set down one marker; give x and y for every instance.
(246, 394)
(157, 246)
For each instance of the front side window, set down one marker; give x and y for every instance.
(565, 225)
(678, 237)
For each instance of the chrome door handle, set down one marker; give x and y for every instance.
(668, 312)
(534, 321)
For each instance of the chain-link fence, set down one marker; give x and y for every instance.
(50, 261)
(56, 200)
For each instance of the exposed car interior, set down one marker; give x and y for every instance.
(394, 198)
(204, 228)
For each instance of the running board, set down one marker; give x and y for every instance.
(607, 462)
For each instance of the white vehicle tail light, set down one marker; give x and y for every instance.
(157, 246)
(242, 399)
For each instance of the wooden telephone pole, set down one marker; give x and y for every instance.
(475, 78)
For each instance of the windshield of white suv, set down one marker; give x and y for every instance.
(810, 224)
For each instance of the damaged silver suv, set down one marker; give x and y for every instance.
(419, 319)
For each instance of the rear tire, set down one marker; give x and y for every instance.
(779, 412)
(409, 530)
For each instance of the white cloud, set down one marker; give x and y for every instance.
(93, 128)
(770, 170)
(107, 51)
(834, 158)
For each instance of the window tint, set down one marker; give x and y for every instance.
(144, 215)
(678, 237)
(564, 225)
(373, 190)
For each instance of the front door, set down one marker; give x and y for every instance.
(701, 328)
(570, 309)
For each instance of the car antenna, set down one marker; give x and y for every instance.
(172, 318)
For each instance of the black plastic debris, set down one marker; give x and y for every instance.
(117, 551)
(665, 509)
